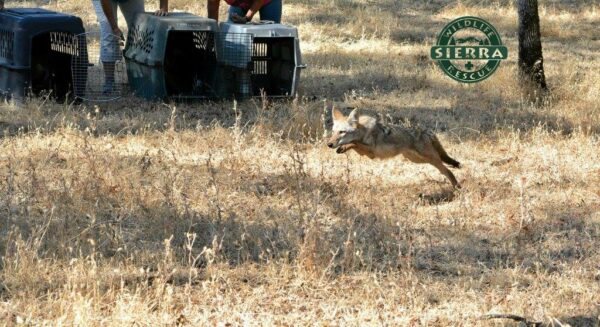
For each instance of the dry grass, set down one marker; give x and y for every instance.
(133, 213)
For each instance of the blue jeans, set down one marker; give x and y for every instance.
(272, 11)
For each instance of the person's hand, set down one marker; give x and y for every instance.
(117, 32)
(162, 12)
(239, 19)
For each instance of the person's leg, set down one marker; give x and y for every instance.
(109, 46)
(130, 9)
(235, 10)
(272, 11)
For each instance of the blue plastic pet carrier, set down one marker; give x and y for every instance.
(36, 50)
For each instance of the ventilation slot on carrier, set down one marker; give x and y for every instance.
(141, 40)
(64, 43)
(6, 44)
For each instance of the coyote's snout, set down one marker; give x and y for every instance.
(369, 137)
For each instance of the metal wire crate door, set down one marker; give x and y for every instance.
(99, 72)
(234, 55)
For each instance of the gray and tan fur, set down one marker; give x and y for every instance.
(369, 137)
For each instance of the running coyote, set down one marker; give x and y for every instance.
(369, 137)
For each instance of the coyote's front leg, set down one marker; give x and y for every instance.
(345, 147)
(361, 149)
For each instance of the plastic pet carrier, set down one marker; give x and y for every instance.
(172, 57)
(274, 55)
(36, 49)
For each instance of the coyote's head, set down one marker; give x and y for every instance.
(345, 129)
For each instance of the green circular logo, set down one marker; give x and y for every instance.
(469, 49)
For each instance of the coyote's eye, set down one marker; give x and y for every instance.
(342, 132)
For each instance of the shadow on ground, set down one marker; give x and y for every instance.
(273, 215)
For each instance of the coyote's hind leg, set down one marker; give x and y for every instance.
(446, 172)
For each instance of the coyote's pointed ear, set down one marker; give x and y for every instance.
(353, 117)
(336, 114)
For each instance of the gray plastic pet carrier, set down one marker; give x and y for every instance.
(36, 50)
(172, 57)
(272, 55)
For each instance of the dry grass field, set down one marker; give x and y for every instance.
(148, 214)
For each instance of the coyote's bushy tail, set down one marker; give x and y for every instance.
(443, 155)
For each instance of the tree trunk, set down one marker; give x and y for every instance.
(531, 61)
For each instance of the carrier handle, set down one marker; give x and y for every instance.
(264, 22)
